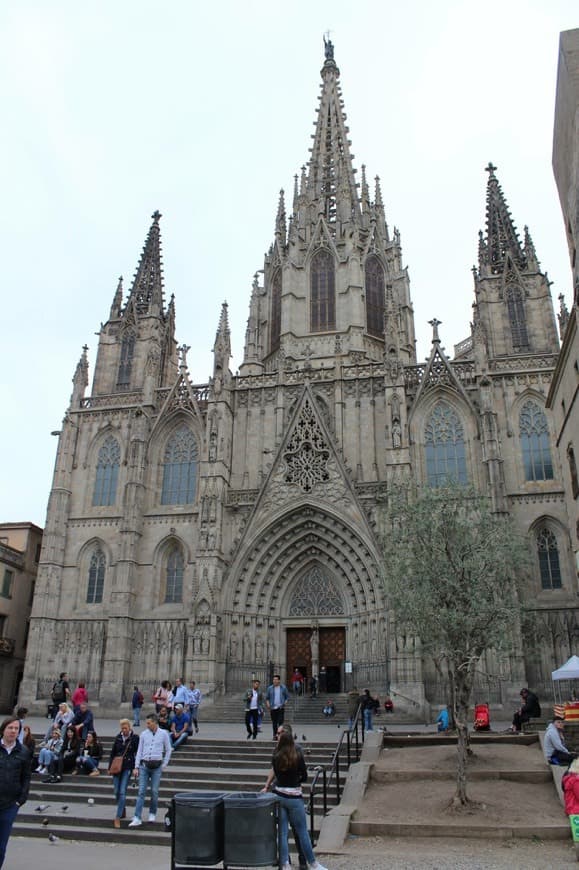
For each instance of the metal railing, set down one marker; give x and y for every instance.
(353, 739)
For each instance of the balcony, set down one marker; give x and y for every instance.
(7, 645)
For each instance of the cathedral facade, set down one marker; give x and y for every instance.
(233, 528)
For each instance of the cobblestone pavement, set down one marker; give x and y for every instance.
(375, 853)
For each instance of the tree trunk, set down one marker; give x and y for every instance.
(462, 690)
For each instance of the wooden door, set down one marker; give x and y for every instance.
(298, 653)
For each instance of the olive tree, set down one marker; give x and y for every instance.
(451, 571)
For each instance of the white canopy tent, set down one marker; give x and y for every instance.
(566, 681)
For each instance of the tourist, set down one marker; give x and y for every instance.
(180, 693)
(368, 706)
(180, 723)
(194, 698)
(79, 696)
(254, 701)
(289, 772)
(554, 747)
(276, 697)
(137, 704)
(88, 760)
(329, 709)
(49, 751)
(443, 721)
(529, 709)
(125, 747)
(14, 778)
(164, 719)
(62, 718)
(83, 721)
(297, 681)
(152, 758)
(161, 696)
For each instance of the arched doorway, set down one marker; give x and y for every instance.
(332, 653)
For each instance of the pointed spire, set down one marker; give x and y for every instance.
(80, 378)
(563, 316)
(117, 301)
(280, 221)
(365, 198)
(530, 253)
(501, 233)
(147, 290)
(331, 148)
(222, 345)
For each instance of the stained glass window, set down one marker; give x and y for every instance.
(180, 468)
(535, 444)
(548, 559)
(517, 318)
(445, 447)
(275, 309)
(323, 292)
(174, 576)
(96, 577)
(107, 472)
(374, 296)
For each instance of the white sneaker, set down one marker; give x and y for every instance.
(286, 867)
(317, 866)
(152, 817)
(135, 822)
(43, 771)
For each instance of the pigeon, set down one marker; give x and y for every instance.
(52, 838)
(41, 808)
(64, 809)
(304, 737)
(45, 822)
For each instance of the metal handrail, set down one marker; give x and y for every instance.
(354, 738)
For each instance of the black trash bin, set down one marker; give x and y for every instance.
(251, 830)
(197, 828)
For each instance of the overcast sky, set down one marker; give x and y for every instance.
(114, 109)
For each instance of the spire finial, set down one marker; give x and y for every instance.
(183, 350)
(491, 169)
(328, 46)
(435, 324)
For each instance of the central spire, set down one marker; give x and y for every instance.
(330, 180)
(147, 289)
(502, 238)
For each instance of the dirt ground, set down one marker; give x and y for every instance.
(421, 799)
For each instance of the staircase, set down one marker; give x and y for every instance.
(216, 765)
(301, 710)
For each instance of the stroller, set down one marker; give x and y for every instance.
(482, 717)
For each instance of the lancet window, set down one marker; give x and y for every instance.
(535, 444)
(374, 296)
(445, 447)
(107, 472)
(126, 361)
(517, 318)
(96, 577)
(323, 292)
(180, 468)
(174, 568)
(275, 310)
(548, 552)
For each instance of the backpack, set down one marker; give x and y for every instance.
(58, 693)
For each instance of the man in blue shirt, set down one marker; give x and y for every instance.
(276, 698)
(179, 726)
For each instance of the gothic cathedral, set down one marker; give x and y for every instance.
(230, 528)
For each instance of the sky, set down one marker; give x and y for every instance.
(204, 111)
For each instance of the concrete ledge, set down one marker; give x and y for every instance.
(528, 776)
(335, 827)
(501, 832)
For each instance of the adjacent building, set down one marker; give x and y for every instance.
(564, 393)
(20, 545)
(231, 527)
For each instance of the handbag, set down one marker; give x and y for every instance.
(116, 765)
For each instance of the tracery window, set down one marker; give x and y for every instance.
(174, 575)
(316, 595)
(126, 361)
(96, 577)
(107, 472)
(180, 468)
(323, 292)
(535, 444)
(275, 310)
(517, 318)
(374, 296)
(445, 447)
(306, 455)
(548, 552)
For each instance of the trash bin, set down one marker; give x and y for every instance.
(197, 828)
(250, 830)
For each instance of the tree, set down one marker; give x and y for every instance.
(451, 571)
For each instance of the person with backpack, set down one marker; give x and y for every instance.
(60, 692)
(137, 704)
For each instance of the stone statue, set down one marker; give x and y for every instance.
(315, 649)
(328, 48)
(396, 434)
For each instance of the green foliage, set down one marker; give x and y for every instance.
(451, 570)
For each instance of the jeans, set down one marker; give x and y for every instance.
(7, 817)
(45, 756)
(120, 783)
(368, 719)
(86, 763)
(251, 717)
(136, 716)
(147, 776)
(179, 740)
(277, 717)
(293, 809)
(193, 713)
